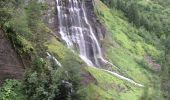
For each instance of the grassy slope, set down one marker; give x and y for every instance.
(127, 52)
(107, 86)
(125, 49)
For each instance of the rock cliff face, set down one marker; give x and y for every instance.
(10, 65)
(97, 26)
(80, 30)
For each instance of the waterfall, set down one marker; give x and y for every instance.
(78, 34)
(50, 57)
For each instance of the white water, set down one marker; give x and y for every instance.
(50, 57)
(122, 77)
(77, 32)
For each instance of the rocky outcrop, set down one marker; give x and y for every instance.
(96, 24)
(10, 65)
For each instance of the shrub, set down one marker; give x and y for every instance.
(12, 89)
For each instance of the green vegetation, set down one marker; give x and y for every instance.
(44, 80)
(165, 71)
(131, 46)
(108, 87)
(137, 42)
(12, 89)
(151, 14)
(5, 11)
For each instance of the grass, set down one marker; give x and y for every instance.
(109, 87)
(55, 47)
(96, 93)
(130, 51)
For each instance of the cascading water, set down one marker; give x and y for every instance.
(78, 34)
(50, 57)
(76, 31)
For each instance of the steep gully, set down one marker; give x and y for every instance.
(76, 31)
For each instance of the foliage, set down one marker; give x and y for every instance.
(12, 89)
(41, 83)
(22, 46)
(166, 69)
(47, 82)
(5, 11)
(134, 26)
(33, 14)
(73, 69)
(71, 64)
(151, 14)
(130, 46)
(34, 11)
(109, 87)
(19, 23)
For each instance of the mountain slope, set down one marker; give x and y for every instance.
(128, 50)
(130, 41)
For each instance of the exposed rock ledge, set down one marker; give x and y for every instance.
(10, 65)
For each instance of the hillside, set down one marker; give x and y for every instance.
(84, 50)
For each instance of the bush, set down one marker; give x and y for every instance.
(48, 82)
(41, 82)
(72, 68)
(12, 89)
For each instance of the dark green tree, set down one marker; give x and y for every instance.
(6, 10)
(166, 69)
